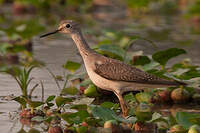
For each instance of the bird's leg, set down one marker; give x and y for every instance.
(122, 104)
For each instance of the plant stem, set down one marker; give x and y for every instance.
(32, 110)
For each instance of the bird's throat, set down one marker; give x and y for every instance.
(81, 44)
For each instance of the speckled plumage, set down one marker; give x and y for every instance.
(116, 70)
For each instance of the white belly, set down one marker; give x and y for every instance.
(102, 82)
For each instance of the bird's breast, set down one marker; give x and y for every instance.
(100, 81)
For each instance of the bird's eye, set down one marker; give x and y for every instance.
(68, 25)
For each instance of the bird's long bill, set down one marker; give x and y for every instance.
(50, 33)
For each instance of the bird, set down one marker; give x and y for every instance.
(108, 73)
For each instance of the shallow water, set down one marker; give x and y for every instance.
(55, 51)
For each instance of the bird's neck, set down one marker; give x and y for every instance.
(81, 44)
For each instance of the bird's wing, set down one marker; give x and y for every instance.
(115, 70)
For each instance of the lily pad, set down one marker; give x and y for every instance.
(76, 117)
(113, 51)
(107, 114)
(163, 56)
(70, 90)
(50, 98)
(143, 97)
(140, 60)
(62, 100)
(187, 119)
(72, 66)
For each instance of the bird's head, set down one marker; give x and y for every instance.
(66, 26)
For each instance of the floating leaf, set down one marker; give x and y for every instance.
(33, 130)
(76, 117)
(38, 119)
(180, 71)
(113, 51)
(17, 48)
(81, 129)
(194, 129)
(107, 114)
(150, 66)
(91, 91)
(85, 100)
(4, 47)
(86, 82)
(79, 107)
(21, 131)
(187, 119)
(72, 66)
(140, 60)
(129, 97)
(156, 117)
(70, 90)
(62, 100)
(50, 98)
(163, 56)
(143, 113)
(107, 104)
(143, 97)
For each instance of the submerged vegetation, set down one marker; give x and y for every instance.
(81, 106)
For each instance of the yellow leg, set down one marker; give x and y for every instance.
(122, 104)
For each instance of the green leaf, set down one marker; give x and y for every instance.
(17, 48)
(86, 82)
(50, 98)
(163, 56)
(38, 119)
(91, 91)
(79, 107)
(70, 90)
(35, 104)
(84, 100)
(140, 60)
(107, 114)
(33, 130)
(143, 97)
(20, 100)
(50, 104)
(129, 98)
(151, 65)
(187, 119)
(112, 51)
(4, 47)
(76, 117)
(72, 66)
(180, 71)
(156, 117)
(81, 129)
(62, 100)
(21, 131)
(107, 104)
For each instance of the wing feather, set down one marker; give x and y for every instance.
(115, 70)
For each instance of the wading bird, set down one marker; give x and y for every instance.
(111, 74)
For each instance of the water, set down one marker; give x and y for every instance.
(54, 52)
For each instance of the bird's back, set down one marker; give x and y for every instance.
(116, 70)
